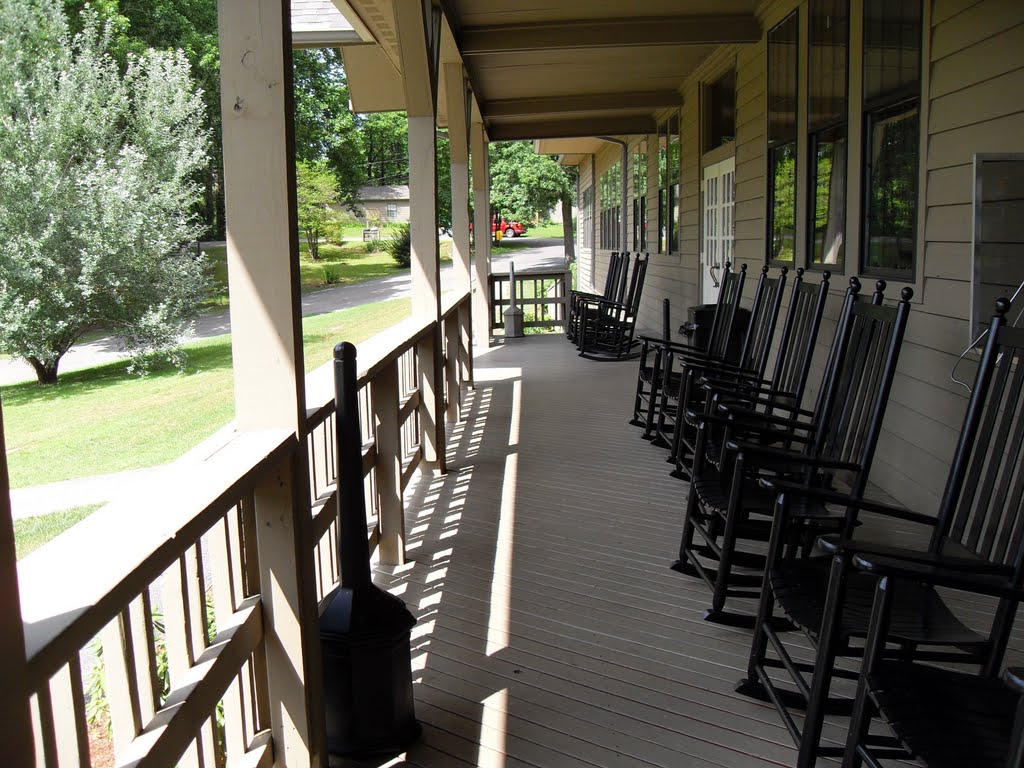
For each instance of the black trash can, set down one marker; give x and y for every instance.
(697, 329)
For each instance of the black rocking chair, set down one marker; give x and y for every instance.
(789, 374)
(976, 543)
(729, 296)
(605, 327)
(614, 289)
(833, 443)
(750, 365)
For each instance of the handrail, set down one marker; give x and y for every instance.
(61, 621)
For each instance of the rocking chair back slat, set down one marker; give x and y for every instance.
(799, 335)
(764, 315)
(725, 311)
(621, 275)
(853, 402)
(982, 505)
(613, 274)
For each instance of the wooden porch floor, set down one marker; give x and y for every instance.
(551, 630)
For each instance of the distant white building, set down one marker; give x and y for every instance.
(384, 204)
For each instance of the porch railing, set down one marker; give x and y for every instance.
(178, 603)
(542, 297)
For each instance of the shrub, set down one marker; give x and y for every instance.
(373, 246)
(332, 275)
(399, 246)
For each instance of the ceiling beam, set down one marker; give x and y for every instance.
(596, 102)
(619, 125)
(608, 33)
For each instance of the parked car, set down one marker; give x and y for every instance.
(508, 228)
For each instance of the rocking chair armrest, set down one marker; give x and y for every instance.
(745, 426)
(742, 387)
(769, 403)
(763, 421)
(938, 575)
(834, 544)
(678, 347)
(1014, 678)
(784, 455)
(829, 496)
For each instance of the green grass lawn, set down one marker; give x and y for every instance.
(104, 419)
(548, 229)
(338, 265)
(31, 533)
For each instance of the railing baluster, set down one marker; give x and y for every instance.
(451, 346)
(388, 468)
(121, 681)
(42, 720)
(178, 620)
(220, 555)
(68, 707)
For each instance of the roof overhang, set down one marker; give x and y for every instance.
(570, 69)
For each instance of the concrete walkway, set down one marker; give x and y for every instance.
(541, 254)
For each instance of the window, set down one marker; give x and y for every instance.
(610, 206)
(668, 185)
(640, 197)
(826, 115)
(392, 211)
(782, 114)
(892, 85)
(721, 112)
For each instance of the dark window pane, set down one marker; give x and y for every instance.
(829, 37)
(662, 221)
(828, 183)
(722, 98)
(782, 80)
(892, 48)
(782, 167)
(673, 149)
(892, 158)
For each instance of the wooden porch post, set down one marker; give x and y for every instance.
(459, 336)
(482, 236)
(266, 322)
(419, 41)
(15, 716)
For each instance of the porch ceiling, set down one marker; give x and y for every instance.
(575, 67)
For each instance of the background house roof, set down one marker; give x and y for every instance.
(318, 23)
(387, 192)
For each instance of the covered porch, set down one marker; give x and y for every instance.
(509, 503)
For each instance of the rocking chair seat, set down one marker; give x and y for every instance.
(949, 719)
(919, 615)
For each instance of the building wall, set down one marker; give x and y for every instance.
(972, 101)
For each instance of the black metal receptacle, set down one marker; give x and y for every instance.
(697, 328)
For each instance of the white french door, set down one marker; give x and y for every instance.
(719, 201)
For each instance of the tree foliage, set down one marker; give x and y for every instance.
(316, 192)
(525, 184)
(97, 181)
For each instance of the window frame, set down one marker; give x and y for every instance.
(871, 108)
(774, 147)
(815, 131)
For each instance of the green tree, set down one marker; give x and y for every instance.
(325, 129)
(385, 144)
(190, 26)
(316, 191)
(524, 183)
(97, 182)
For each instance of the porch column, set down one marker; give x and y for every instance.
(482, 235)
(458, 139)
(266, 322)
(418, 41)
(15, 717)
